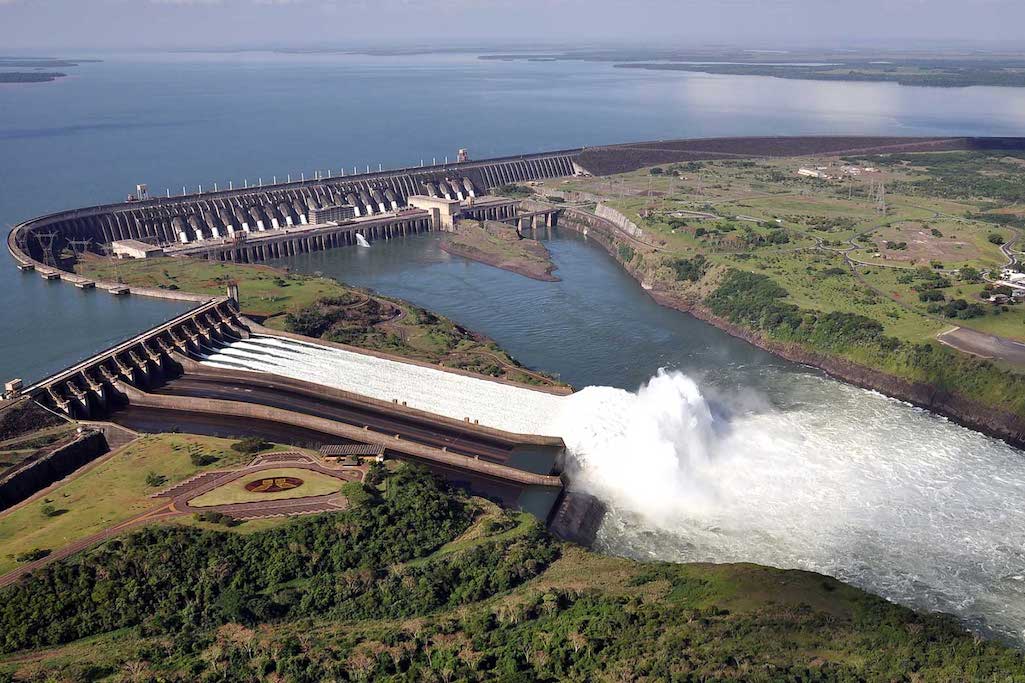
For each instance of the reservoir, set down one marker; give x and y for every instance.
(708, 449)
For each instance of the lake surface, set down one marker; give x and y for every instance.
(708, 449)
(192, 119)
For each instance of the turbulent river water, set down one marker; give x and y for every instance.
(706, 448)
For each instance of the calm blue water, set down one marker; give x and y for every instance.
(174, 120)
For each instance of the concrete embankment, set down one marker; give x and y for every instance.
(990, 421)
(394, 445)
(51, 465)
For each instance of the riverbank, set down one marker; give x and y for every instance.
(971, 414)
(324, 308)
(500, 246)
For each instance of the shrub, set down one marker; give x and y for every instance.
(689, 269)
(626, 253)
(214, 517)
(154, 480)
(309, 322)
(32, 555)
(250, 444)
(200, 459)
(996, 238)
(358, 494)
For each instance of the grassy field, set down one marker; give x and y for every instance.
(314, 484)
(114, 491)
(265, 291)
(925, 223)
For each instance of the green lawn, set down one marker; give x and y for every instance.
(265, 291)
(112, 492)
(314, 484)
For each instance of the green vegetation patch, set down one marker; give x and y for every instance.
(409, 586)
(757, 302)
(111, 492)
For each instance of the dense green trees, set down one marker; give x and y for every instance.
(374, 594)
(757, 302)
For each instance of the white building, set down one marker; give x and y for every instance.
(135, 249)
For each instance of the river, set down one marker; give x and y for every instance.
(708, 449)
(728, 455)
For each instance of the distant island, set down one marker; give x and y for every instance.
(13, 69)
(945, 69)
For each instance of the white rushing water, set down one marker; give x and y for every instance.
(889, 498)
(493, 404)
(846, 482)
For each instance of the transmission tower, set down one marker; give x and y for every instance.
(46, 240)
(80, 247)
(108, 251)
(880, 197)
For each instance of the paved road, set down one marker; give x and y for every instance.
(984, 345)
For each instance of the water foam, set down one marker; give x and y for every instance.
(845, 485)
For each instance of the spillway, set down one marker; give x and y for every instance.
(493, 404)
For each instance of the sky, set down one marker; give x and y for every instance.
(131, 24)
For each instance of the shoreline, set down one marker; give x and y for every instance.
(966, 413)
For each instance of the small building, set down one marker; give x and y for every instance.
(350, 454)
(444, 212)
(812, 173)
(135, 249)
(333, 214)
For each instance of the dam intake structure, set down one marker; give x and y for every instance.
(258, 223)
(252, 224)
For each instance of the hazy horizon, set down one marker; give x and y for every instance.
(493, 24)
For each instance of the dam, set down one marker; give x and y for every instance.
(212, 370)
(251, 224)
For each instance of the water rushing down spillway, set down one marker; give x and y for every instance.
(859, 495)
(502, 406)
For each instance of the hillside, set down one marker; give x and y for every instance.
(415, 582)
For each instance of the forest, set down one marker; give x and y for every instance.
(418, 582)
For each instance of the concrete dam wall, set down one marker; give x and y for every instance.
(196, 217)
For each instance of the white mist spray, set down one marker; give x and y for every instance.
(648, 451)
(842, 481)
